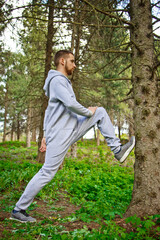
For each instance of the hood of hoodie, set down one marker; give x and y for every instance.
(51, 75)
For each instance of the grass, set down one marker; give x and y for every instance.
(85, 200)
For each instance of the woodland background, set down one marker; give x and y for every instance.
(102, 50)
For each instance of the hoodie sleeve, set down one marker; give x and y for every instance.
(63, 94)
(45, 122)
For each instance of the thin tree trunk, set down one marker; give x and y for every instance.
(18, 126)
(98, 137)
(74, 150)
(119, 124)
(12, 129)
(75, 44)
(34, 124)
(146, 189)
(5, 114)
(119, 129)
(33, 138)
(95, 135)
(48, 59)
(28, 132)
(131, 129)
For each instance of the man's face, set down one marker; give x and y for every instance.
(69, 64)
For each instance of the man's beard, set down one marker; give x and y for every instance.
(68, 71)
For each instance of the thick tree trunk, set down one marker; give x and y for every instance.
(146, 190)
(48, 60)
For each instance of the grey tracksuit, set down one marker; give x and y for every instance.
(65, 122)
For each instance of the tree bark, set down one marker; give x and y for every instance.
(5, 114)
(28, 132)
(12, 129)
(33, 134)
(48, 59)
(18, 126)
(95, 135)
(34, 124)
(119, 124)
(98, 137)
(75, 43)
(146, 189)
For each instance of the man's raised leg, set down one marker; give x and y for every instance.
(105, 125)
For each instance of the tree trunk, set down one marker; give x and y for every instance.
(48, 59)
(75, 44)
(74, 150)
(5, 113)
(12, 129)
(34, 120)
(146, 189)
(95, 135)
(18, 127)
(28, 136)
(130, 120)
(131, 129)
(33, 134)
(119, 125)
(98, 137)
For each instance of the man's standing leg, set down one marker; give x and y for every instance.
(44, 176)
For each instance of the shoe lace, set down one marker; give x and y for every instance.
(24, 213)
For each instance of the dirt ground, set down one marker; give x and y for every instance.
(62, 208)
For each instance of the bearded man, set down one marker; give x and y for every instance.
(65, 122)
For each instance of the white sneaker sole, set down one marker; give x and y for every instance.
(128, 151)
(20, 220)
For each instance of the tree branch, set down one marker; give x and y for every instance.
(155, 4)
(92, 25)
(66, 8)
(109, 51)
(105, 12)
(156, 35)
(117, 79)
(125, 69)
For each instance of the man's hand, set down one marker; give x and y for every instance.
(92, 109)
(43, 145)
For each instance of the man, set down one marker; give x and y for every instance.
(66, 121)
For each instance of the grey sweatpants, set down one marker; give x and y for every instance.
(53, 161)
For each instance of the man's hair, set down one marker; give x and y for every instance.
(59, 54)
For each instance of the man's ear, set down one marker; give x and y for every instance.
(62, 61)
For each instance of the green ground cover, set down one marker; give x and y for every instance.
(85, 200)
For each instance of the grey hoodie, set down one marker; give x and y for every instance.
(63, 109)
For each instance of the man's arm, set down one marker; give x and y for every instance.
(43, 142)
(62, 93)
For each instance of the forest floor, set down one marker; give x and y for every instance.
(86, 199)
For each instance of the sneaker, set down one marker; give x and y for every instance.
(125, 150)
(21, 216)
